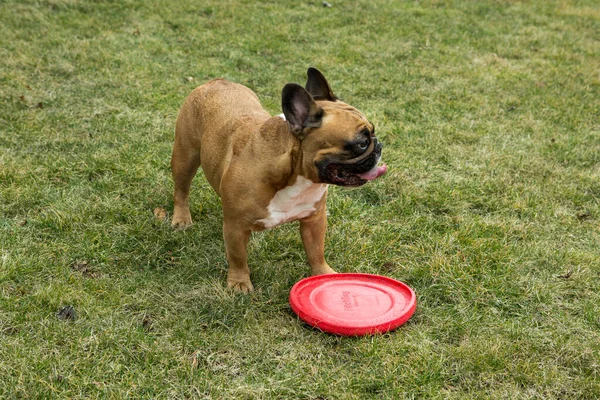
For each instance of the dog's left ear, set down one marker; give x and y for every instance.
(300, 109)
(317, 85)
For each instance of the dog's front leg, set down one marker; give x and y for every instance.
(236, 241)
(312, 230)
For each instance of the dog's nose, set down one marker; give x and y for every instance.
(378, 146)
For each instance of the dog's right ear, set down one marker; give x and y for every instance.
(317, 85)
(300, 109)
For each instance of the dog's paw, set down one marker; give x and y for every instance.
(323, 270)
(244, 286)
(181, 223)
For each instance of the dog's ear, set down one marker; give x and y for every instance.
(300, 109)
(317, 85)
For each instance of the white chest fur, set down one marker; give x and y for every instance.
(294, 202)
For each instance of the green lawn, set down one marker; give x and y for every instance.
(489, 112)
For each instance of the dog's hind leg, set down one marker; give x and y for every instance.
(184, 165)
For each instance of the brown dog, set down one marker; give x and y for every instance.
(270, 170)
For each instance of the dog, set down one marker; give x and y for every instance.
(269, 170)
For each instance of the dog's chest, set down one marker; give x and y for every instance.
(294, 202)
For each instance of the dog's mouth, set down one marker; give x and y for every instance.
(339, 175)
(354, 172)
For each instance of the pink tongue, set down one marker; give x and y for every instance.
(376, 172)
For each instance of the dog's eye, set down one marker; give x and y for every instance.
(362, 146)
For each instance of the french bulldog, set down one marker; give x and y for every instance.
(269, 170)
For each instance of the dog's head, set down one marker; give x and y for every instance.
(337, 141)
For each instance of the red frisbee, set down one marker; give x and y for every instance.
(353, 304)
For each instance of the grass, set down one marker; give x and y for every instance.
(489, 113)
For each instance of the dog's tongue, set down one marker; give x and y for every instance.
(376, 172)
